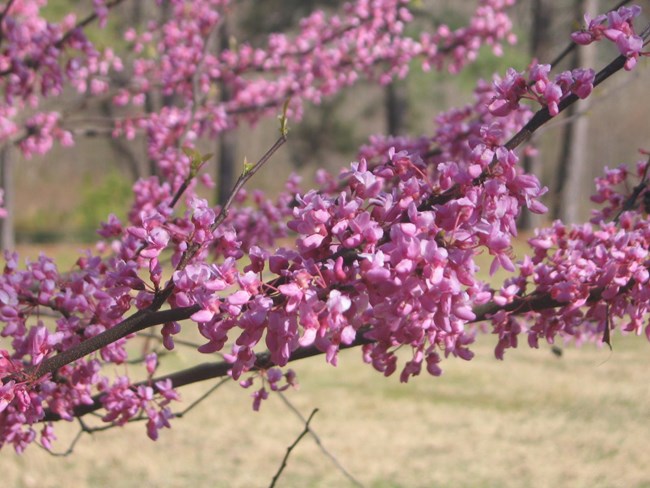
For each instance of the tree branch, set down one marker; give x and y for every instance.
(135, 323)
(152, 315)
(291, 447)
(207, 371)
(540, 118)
(319, 443)
(535, 302)
(80, 25)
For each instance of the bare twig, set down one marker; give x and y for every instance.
(290, 448)
(201, 398)
(319, 443)
(246, 175)
(72, 445)
(181, 342)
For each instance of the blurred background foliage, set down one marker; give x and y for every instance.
(65, 194)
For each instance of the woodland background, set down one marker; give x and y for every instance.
(63, 195)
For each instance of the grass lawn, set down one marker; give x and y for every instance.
(533, 420)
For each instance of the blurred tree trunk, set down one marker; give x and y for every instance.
(136, 13)
(227, 144)
(396, 103)
(151, 102)
(574, 153)
(121, 147)
(7, 230)
(541, 45)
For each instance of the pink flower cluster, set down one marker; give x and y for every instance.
(404, 272)
(38, 59)
(87, 301)
(549, 93)
(328, 54)
(616, 26)
(596, 275)
(489, 26)
(42, 130)
(383, 255)
(125, 401)
(537, 86)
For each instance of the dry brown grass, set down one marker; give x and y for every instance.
(533, 420)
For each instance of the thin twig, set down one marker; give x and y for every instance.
(246, 175)
(140, 359)
(201, 398)
(85, 22)
(72, 445)
(181, 342)
(319, 443)
(290, 448)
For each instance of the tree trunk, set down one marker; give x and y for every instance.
(572, 167)
(121, 147)
(153, 103)
(396, 103)
(227, 145)
(7, 231)
(541, 44)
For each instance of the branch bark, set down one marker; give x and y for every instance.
(535, 302)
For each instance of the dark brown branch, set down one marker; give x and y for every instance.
(535, 302)
(85, 22)
(540, 118)
(135, 323)
(207, 371)
(152, 315)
